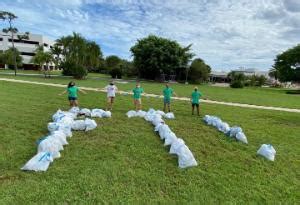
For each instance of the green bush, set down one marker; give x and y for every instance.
(237, 84)
(71, 69)
(116, 72)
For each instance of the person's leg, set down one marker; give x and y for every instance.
(169, 106)
(140, 104)
(75, 103)
(193, 108)
(198, 111)
(71, 103)
(108, 103)
(165, 104)
(111, 102)
(135, 104)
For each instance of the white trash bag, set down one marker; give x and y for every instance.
(267, 151)
(141, 113)
(186, 157)
(169, 115)
(40, 162)
(234, 130)
(90, 124)
(86, 112)
(59, 134)
(66, 120)
(58, 115)
(74, 110)
(67, 129)
(157, 120)
(176, 145)
(97, 113)
(106, 114)
(156, 128)
(52, 126)
(78, 125)
(159, 112)
(240, 136)
(170, 138)
(163, 131)
(131, 113)
(49, 145)
(223, 127)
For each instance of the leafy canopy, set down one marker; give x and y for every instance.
(154, 55)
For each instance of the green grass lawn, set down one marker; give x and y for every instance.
(124, 161)
(255, 96)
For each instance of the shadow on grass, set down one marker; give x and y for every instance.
(293, 92)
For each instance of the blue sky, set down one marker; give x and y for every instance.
(227, 34)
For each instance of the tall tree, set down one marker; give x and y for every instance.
(10, 17)
(39, 58)
(56, 52)
(287, 65)
(199, 71)
(154, 55)
(79, 54)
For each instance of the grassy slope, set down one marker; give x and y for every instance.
(255, 96)
(123, 160)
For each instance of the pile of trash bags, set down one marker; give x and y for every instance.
(177, 145)
(141, 113)
(64, 122)
(235, 131)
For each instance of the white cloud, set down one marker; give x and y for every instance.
(225, 33)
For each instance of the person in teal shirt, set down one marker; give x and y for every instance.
(72, 91)
(195, 99)
(167, 93)
(137, 97)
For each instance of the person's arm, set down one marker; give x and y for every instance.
(64, 92)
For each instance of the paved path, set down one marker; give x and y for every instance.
(159, 96)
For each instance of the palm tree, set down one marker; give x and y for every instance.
(10, 17)
(56, 51)
(39, 58)
(48, 58)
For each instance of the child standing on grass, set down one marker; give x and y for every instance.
(137, 94)
(72, 91)
(195, 99)
(111, 90)
(167, 93)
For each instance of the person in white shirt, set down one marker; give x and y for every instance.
(111, 90)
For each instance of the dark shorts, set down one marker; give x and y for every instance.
(72, 98)
(167, 101)
(195, 104)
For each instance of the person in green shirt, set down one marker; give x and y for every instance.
(195, 99)
(137, 97)
(167, 93)
(72, 91)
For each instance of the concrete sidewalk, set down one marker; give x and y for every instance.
(160, 96)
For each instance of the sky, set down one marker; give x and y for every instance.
(227, 34)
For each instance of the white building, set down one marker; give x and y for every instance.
(25, 47)
(252, 71)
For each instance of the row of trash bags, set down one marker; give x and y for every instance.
(142, 114)
(64, 122)
(178, 147)
(266, 150)
(235, 131)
